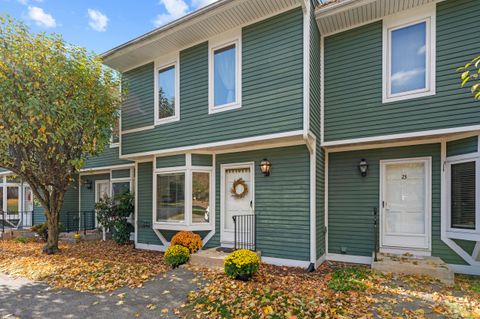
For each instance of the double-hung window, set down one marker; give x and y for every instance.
(463, 193)
(167, 104)
(409, 55)
(225, 73)
(183, 198)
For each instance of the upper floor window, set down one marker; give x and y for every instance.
(115, 138)
(224, 75)
(166, 93)
(409, 55)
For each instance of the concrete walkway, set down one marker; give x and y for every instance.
(21, 298)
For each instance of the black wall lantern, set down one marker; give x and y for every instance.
(265, 166)
(363, 167)
(87, 183)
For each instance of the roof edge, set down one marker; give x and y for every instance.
(171, 25)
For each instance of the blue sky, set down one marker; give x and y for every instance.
(98, 25)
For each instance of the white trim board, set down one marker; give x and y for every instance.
(150, 247)
(464, 269)
(285, 262)
(183, 149)
(425, 134)
(350, 259)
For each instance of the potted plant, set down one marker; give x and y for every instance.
(242, 264)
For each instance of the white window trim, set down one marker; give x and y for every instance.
(116, 144)
(224, 40)
(187, 223)
(458, 232)
(160, 64)
(426, 13)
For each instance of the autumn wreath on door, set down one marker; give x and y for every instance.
(239, 188)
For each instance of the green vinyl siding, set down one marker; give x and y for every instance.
(138, 108)
(282, 201)
(201, 160)
(146, 235)
(109, 157)
(353, 80)
(467, 245)
(272, 91)
(462, 146)
(171, 161)
(2, 170)
(122, 173)
(352, 198)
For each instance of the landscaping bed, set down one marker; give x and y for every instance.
(333, 291)
(93, 266)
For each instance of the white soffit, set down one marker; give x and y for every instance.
(340, 15)
(194, 28)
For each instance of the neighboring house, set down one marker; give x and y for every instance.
(320, 92)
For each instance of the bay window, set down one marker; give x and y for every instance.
(463, 181)
(183, 198)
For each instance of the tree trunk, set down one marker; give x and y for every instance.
(51, 247)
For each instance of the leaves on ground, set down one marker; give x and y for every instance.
(93, 266)
(333, 291)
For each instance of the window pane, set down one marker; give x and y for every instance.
(408, 59)
(200, 197)
(116, 132)
(166, 92)
(224, 75)
(463, 195)
(120, 188)
(171, 197)
(12, 199)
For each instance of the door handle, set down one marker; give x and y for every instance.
(251, 204)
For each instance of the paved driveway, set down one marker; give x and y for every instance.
(156, 299)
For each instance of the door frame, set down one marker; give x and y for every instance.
(99, 181)
(427, 160)
(223, 168)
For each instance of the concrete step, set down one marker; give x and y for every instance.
(212, 258)
(408, 264)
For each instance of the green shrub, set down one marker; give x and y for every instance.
(349, 278)
(42, 230)
(22, 239)
(176, 255)
(241, 264)
(113, 213)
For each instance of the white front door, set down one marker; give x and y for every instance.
(102, 190)
(405, 201)
(237, 197)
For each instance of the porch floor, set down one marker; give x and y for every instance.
(408, 264)
(212, 258)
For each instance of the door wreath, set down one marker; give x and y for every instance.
(239, 189)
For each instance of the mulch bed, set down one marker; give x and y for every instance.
(333, 291)
(93, 266)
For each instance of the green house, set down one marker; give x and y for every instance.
(308, 131)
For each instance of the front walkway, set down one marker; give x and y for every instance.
(156, 299)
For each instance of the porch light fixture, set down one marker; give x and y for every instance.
(363, 167)
(265, 166)
(87, 183)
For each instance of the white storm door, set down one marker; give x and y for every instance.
(234, 205)
(405, 202)
(102, 190)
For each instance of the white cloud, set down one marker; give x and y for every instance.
(25, 2)
(174, 10)
(98, 21)
(41, 18)
(402, 77)
(422, 50)
(201, 3)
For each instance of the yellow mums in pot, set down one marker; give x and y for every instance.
(241, 264)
